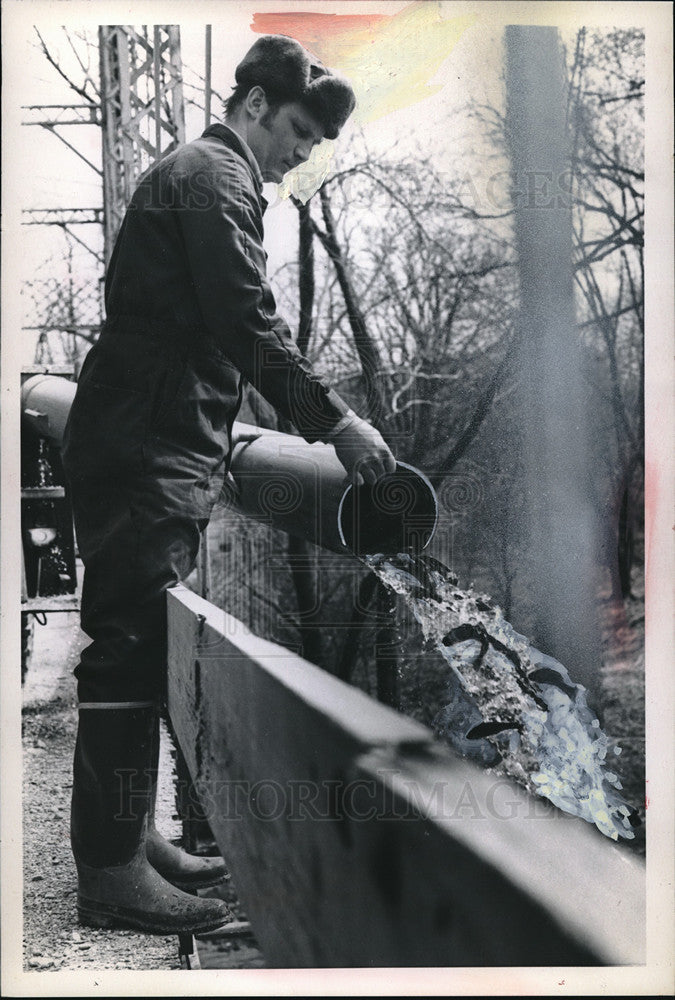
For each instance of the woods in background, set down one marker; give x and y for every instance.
(410, 294)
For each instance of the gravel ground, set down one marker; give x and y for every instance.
(53, 938)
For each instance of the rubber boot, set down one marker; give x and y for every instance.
(175, 865)
(112, 788)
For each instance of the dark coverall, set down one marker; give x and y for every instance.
(189, 315)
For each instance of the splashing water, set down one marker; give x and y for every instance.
(529, 709)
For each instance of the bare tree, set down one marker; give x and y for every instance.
(418, 298)
(606, 112)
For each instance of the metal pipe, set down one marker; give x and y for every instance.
(283, 481)
(45, 405)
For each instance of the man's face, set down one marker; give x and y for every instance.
(283, 137)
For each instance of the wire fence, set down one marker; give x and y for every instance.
(62, 294)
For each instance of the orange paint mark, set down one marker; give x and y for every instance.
(389, 59)
(327, 36)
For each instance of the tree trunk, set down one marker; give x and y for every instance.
(305, 277)
(301, 564)
(367, 588)
(300, 554)
(386, 649)
(365, 346)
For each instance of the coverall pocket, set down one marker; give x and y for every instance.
(105, 431)
(127, 383)
(191, 432)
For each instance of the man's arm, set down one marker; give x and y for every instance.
(222, 235)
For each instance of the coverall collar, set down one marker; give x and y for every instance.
(235, 142)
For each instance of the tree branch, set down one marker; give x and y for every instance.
(367, 352)
(472, 428)
(50, 59)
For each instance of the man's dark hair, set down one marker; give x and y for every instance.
(239, 94)
(235, 100)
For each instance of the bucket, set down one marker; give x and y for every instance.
(398, 514)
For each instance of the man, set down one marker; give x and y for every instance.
(189, 315)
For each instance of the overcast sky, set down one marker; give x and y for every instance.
(59, 178)
(437, 128)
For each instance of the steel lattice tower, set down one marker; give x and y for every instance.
(142, 109)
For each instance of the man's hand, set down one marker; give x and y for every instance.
(363, 452)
